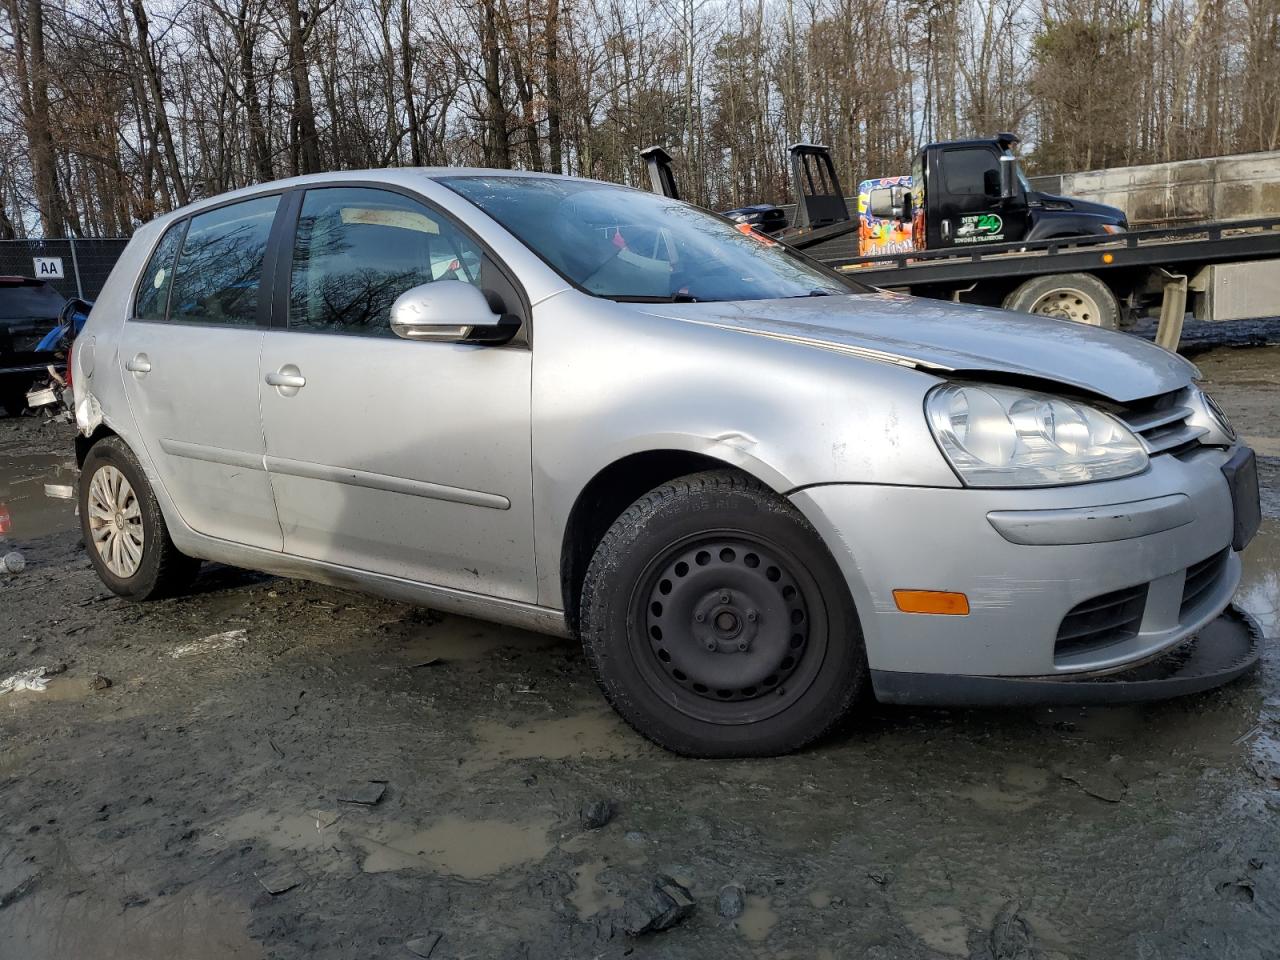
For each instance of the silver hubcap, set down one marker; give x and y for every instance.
(115, 520)
(1069, 305)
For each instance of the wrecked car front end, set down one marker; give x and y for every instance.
(1085, 551)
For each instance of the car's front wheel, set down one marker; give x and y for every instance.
(124, 530)
(717, 623)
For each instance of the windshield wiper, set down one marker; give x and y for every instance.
(673, 298)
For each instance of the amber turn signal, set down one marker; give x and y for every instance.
(932, 601)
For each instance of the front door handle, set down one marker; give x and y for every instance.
(139, 364)
(288, 380)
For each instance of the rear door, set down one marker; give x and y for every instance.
(410, 459)
(189, 357)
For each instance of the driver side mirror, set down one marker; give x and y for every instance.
(1008, 177)
(448, 311)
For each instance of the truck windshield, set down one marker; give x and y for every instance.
(628, 245)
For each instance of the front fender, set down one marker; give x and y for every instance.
(610, 382)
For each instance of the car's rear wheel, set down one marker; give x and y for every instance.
(124, 530)
(717, 623)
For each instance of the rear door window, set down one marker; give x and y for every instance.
(356, 249)
(153, 290)
(219, 273)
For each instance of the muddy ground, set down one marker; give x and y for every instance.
(194, 808)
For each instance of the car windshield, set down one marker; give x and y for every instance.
(625, 244)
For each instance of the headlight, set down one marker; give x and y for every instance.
(1003, 437)
(1112, 228)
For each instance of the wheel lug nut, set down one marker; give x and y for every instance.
(742, 646)
(751, 615)
(699, 617)
(711, 645)
(724, 598)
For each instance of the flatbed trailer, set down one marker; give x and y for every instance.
(1146, 271)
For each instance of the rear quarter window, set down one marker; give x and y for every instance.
(153, 289)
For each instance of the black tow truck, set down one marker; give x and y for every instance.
(980, 234)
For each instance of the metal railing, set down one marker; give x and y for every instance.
(85, 263)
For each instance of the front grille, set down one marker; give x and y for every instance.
(1200, 578)
(1162, 425)
(1101, 621)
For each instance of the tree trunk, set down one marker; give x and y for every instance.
(33, 89)
(152, 71)
(304, 113)
(555, 141)
(499, 141)
(406, 80)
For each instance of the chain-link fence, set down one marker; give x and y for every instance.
(84, 264)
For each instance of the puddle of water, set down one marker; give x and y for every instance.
(470, 849)
(819, 899)
(757, 919)
(59, 689)
(1259, 591)
(589, 897)
(593, 733)
(29, 511)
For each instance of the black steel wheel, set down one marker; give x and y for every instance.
(718, 624)
(727, 627)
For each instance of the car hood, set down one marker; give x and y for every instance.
(953, 338)
(1086, 207)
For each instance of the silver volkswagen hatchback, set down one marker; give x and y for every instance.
(756, 490)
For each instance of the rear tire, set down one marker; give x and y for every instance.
(1081, 297)
(124, 531)
(717, 623)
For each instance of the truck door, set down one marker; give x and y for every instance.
(964, 197)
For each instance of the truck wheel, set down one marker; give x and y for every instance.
(717, 624)
(1081, 297)
(124, 532)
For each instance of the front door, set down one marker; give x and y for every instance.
(967, 197)
(404, 458)
(189, 359)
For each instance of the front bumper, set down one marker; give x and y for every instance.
(1028, 558)
(1225, 649)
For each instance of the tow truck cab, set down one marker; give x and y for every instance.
(966, 192)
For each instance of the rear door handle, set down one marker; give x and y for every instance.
(139, 364)
(286, 380)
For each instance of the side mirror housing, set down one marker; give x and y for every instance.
(1008, 177)
(449, 311)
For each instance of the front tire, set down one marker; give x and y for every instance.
(717, 623)
(124, 531)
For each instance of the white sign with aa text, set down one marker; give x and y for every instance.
(48, 268)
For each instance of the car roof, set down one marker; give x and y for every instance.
(403, 176)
